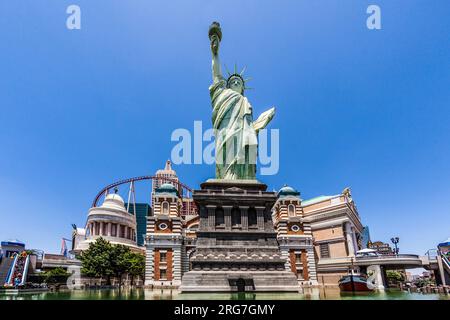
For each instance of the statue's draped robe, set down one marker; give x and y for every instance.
(236, 138)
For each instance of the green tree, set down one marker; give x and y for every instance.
(119, 262)
(136, 265)
(56, 275)
(97, 260)
(394, 276)
(102, 259)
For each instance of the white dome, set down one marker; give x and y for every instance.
(113, 200)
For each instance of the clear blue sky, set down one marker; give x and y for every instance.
(355, 107)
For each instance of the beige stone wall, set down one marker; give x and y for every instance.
(330, 279)
(328, 233)
(338, 250)
(323, 204)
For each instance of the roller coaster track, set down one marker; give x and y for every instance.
(125, 181)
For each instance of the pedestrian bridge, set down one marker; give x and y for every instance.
(400, 261)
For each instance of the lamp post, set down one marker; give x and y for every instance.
(395, 242)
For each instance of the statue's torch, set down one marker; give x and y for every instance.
(215, 36)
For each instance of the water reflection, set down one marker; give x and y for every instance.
(170, 294)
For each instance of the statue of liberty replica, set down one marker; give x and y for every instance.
(232, 118)
(236, 248)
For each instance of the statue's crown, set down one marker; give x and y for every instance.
(239, 75)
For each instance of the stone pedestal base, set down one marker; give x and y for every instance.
(236, 248)
(231, 281)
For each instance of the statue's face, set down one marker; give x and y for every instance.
(236, 84)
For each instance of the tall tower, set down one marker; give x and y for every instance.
(166, 175)
(294, 236)
(164, 239)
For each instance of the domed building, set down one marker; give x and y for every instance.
(112, 222)
(287, 191)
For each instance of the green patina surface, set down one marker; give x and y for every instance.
(316, 199)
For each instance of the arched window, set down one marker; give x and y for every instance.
(220, 218)
(235, 217)
(291, 210)
(252, 218)
(165, 207)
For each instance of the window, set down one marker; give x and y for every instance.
(220, 218)
(162, 256)
(122, 231)
(298, 258)
(291, 210)
(235, 217)
(295, 228)
(162, 273)
(163, 226)
(252, 217)
(324, 250)
(165, 207)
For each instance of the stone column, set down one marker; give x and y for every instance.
(227, 216)
(203, 218)
(312, 266)
(285, 256)
(211, 217)
(260, 217)
(355, 241)
(149, 266)
(176, 264)
(377, 276)
(349, 238)
(244, 217)
(109, 229)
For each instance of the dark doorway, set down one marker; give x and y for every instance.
(252, 217)
(235, 217)
(240, 284)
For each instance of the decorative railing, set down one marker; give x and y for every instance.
(432, 254)
(388, 256)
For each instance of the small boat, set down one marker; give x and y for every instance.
(354, 282)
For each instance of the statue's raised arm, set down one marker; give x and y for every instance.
(215, 36)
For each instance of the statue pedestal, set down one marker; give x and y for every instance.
(237, 248)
